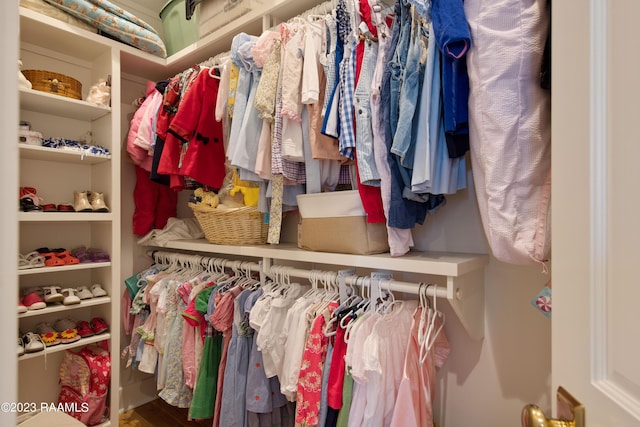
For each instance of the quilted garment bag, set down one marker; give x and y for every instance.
(510, 126)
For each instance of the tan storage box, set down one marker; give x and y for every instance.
(346, 235)
(336, 222)
(218, 13)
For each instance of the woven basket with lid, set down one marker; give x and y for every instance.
(55, 83)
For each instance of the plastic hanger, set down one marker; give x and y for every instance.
(329, 328)
(212, 75)
(429, 329)
(389, 304)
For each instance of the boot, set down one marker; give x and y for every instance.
(80, 202)
(96, 200)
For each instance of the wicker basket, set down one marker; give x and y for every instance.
(239, 226)
(58, 84)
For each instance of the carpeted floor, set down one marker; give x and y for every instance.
(156, 413)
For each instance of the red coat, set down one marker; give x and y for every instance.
(194, 146)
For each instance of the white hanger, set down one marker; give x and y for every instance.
(427, 339)
(390, 303)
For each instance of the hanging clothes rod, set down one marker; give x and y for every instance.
(204, 261)
(354, 280)
(274, 271)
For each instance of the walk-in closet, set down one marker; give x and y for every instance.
(323, 213)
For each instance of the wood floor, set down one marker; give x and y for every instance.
(157, 413)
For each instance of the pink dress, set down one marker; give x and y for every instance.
(414, 404)
(222, 320)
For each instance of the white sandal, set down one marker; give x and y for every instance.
(70, 296)
(52, 294)
(30, 260)
(97, 290)
(84, 293)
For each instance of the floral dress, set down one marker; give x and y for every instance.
(310, 380)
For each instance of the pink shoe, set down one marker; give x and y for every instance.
(21, 307)
(33, 301)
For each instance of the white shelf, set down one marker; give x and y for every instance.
(441, 264)
(62, 347)
(64, 216)
(35, 152)
(43, 102)
(461, 274)
(60, 307)
(72, 267)
(57, 36)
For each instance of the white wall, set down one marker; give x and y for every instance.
(136, 388)
(147, 10)
(9, 210)
(487, 383)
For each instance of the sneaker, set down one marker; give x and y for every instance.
(21, 307)
(70, 296)
(32, 342)
(97, 290)
(84, 293)
(33, 301)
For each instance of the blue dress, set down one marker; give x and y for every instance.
(233, 409)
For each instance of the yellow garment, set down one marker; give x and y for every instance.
(249, 191)
(233, 84)
(208, 198)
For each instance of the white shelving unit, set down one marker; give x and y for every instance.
(60, 308)
(63, 347)
(56, 173)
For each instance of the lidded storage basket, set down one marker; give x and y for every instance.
(55, 83)
(236, 226)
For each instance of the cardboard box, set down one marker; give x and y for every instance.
(217, 13)
(347, 235)
(330, 204)
(337, 222)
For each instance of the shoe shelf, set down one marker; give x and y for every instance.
(61, 155)
(43, 102)
(60, 307)
(64, 216)
(46, 270)
(62, 347)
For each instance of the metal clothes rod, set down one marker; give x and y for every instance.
(204, 261)
(274, 271)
